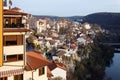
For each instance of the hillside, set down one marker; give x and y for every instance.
(57, 17)
(110, 21)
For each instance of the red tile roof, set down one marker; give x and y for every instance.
(35, 61)
(54, 65)
(12, 12)
(73, 46)
(15, 8)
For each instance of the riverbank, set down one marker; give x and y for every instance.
(113, 71)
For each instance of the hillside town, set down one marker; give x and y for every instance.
(42, 48)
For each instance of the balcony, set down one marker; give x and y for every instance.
(11, 50)
(14, 25)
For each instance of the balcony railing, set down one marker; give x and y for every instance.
(14, 26)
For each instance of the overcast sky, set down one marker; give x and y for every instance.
(67, 7)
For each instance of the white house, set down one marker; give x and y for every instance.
(36, 67)
(58, 70)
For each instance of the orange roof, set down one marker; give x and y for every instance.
(12, 12)
(15, 8)
(54, 65)
(73, 46)
(35, 61)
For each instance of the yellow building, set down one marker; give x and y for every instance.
(1, 32)
(15, 63)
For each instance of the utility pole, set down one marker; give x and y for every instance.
(1, 33)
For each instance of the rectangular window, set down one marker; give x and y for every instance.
(20, 57)
(3, 78)
(41, 71)
(18, 77)
(10, 58)
(13, 40)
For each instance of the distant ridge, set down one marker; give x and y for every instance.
(57, 17)
(44, 16)
(107, 20)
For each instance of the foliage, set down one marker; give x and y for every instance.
(58, 78)
(94, 66)
(46, 48)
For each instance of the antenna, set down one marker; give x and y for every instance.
(10, 4)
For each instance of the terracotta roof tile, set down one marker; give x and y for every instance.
(12, 12)
(73, 46)
(35, 61)
(15, 8)
(54, 65)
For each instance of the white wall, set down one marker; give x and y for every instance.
(59, 72)
(35, 73)
(11, 78)
(10, 50)
(15, 63)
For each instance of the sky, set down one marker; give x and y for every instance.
(67, 7)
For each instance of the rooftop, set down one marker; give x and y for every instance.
(12, 12)
(54, 65)
(35, 61)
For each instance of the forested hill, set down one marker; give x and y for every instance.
(109, 21)
(73, 18)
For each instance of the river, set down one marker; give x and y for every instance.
(113, 72)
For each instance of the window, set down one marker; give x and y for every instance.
(13, 40)
(3, 78)
(18, 77)
(20, 57)
(10, 58)
(12, 22)
(41, 71)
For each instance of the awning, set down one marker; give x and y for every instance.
(11, 73)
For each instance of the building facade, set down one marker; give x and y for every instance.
(15, 62)
(14, 54)
(1, 32)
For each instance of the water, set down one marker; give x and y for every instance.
(113, 72)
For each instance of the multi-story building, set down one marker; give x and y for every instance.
(15, 63)
(13, 54)
(1, 33)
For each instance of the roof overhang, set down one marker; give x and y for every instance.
(16, 30)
